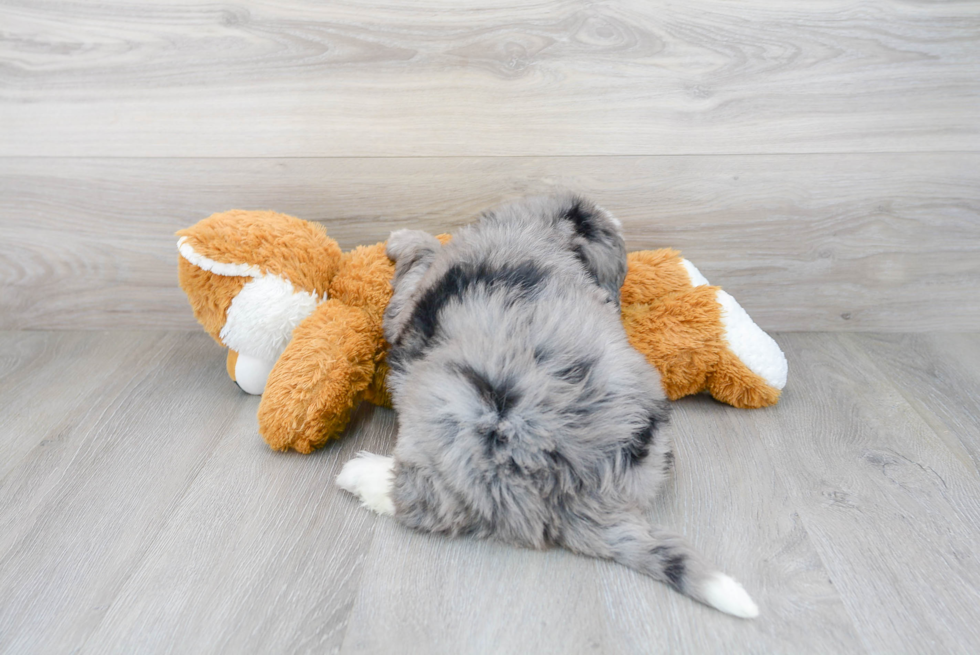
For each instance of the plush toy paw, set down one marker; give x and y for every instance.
(749, 344)
(696, 335)
(320, 378)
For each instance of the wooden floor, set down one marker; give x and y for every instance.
(141, 513)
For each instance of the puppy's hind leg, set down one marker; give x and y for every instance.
(370, 478)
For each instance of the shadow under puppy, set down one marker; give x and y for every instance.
(524, 413)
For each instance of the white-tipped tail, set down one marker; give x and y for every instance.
(369, 477)
(723, 593)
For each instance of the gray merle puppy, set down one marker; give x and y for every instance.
(524, 413)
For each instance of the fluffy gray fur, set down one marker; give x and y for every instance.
(524, 413)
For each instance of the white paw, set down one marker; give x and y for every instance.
(369, 477)
(723, 593)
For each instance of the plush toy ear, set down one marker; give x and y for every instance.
(255, 243)
(696, 335)
(251, 278)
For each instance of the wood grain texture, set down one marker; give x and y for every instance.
(830, 242)
(365, 78)
(937, 376)
(893, 512)
(82, 511)
(263, 555)
(41, 396)
(54, 405)
(145, 515)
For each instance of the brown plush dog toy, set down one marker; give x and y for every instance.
(302, 323)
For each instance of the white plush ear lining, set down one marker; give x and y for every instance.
(697, 280)
(218, 268)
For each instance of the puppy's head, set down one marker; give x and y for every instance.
(591, 233)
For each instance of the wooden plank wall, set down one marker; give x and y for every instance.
(819, 160)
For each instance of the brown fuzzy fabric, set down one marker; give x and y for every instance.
(210, 295)
(320, 378)
(337, 357)
(678, 328)
(278, 244)
(282, 245)
(230, 363)
(652, 274)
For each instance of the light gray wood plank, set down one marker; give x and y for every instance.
(833, 242)
(148, 516)
(55, 401)
(262, 556)
(432, 78)
(429, 594)
(106, 487)
(48, 380)
(939, 376)
(893, 513)
(729, 500)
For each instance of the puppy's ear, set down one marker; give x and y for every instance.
(597, 242)
(413, 251)
(407, 248)
(402, 242)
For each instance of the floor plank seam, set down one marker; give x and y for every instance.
(138, 564)
(633, 155)
(142, 372)
(868, 648)
(910, 401)
(353, 604)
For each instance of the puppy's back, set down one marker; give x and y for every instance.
(524, 397)
(524, 413)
